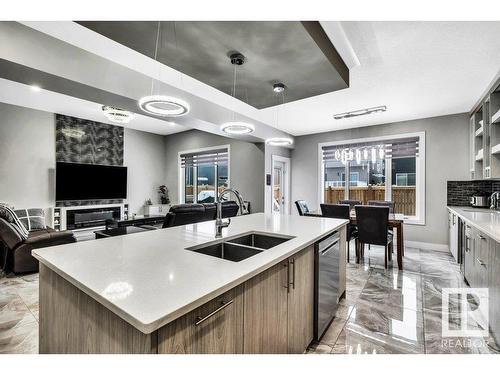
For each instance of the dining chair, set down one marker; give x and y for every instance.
(350, 202)
(302, 207)
(389, 204)
(373, 229)
(341, 211)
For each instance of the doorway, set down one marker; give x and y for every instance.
(280, 197)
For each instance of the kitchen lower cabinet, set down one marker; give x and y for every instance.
(271, 313)
(476, 259)
(214, 328)
(494, 291)
(279, 307)
(469, 259)
(266, 311)
(482, 270)
(453, 234)
(301, 301)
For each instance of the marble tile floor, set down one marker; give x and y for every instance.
(384, 312)
(397, 312)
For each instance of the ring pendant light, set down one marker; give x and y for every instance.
(162, 105)
(236, 127)
(279, 88)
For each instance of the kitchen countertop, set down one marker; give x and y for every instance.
(484, 219)
(149, 279)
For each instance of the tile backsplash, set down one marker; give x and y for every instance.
(459, 192)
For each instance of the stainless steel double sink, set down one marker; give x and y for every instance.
(242, 247)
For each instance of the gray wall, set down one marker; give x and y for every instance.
(27, 157)
(446, 159)
(143, 154)
(246, 164)
(27, 160)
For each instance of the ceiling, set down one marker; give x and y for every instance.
(64, 58)
(289, 52)
(417, 69)
(49, 101)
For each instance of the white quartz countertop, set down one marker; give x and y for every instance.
(149, 279)
(484, 219)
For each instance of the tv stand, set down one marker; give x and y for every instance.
(89, 217)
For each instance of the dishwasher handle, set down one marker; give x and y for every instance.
(327, 250)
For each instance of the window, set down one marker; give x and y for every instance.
(380, 168)
(203, 174)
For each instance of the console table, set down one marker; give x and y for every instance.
(143, 220)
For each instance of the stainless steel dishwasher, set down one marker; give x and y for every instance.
(327, 278)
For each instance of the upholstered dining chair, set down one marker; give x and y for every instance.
(389, 204)
(350, 202)
(342, 211)
(373, 229)
(302, 207)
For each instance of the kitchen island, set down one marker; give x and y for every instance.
(148, 293)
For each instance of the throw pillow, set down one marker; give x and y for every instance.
(10, 216)
(32, 218)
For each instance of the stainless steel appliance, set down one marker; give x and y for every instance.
(495, 200)
(480, 201)
(327, 273)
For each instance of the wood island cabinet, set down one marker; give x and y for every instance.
(270, 313)
(266, 311)
(301, 301)
(213, 328)
(273, 312)
(279, 307)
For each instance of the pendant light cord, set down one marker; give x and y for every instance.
(177, 52)
(233, 92)
(156, 54)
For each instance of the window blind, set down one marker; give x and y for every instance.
(209, 157)
(397, 148)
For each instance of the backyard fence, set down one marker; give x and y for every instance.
(404, 197)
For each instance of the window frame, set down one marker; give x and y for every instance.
(182, 172)
(420, 171)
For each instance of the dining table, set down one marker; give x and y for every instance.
(395, 223)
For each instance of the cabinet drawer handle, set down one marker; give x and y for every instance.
(200, 320)
(481, 262)
(287, 286)
(481, 237)
(292, 263)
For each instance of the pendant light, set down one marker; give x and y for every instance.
(162, 105)
(279, 88)
(117, 115)
(236, 127)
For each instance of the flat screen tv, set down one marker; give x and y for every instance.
(88, 181)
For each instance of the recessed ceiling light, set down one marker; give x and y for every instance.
(166, 106)
(237, 127)
(360, 112)
(120, 116)
(279, 141)
(278, 87)
(35, 88)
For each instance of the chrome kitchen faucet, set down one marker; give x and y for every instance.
(219, 223)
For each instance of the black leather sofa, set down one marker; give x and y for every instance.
(183, 214)
(18, 250)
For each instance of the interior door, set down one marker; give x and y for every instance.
(280, 185)
(278, 193)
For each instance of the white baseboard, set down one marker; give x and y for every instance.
(428, 246)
